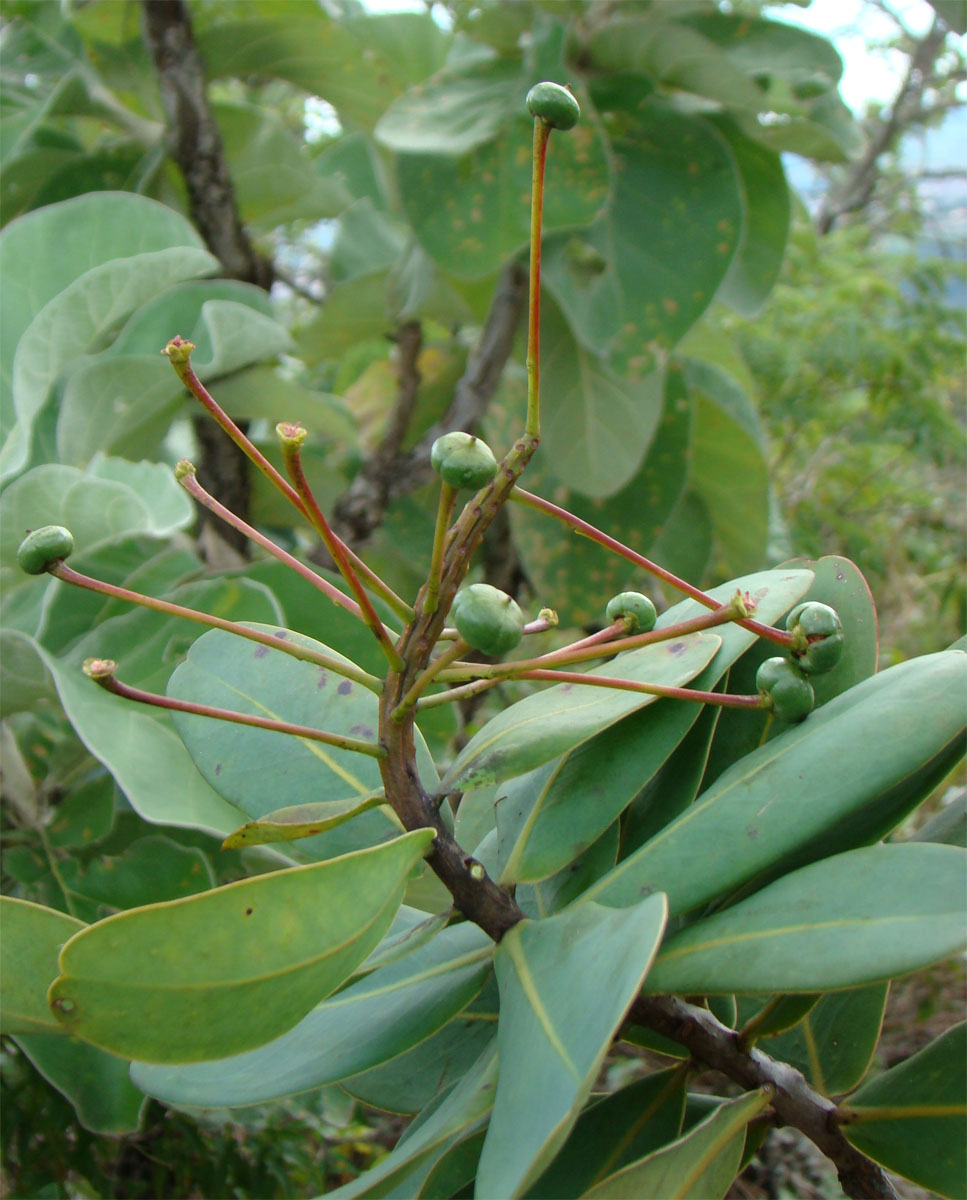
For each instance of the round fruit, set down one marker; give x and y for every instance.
(819, 637)
(463, 461)
(553, 104)
(43, 548)
(638, 608)
(487, 618)
(790, 692)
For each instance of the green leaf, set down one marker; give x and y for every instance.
(855, 918)
(301, 821)
(420, 1077)
(254, 768)
(230, 969)
(96, 1083)
(913, 1118)
(555, 814)
(374, 1020)
(565, 984)
(459, 1115)
(150, 870)
(561, 565)
(598, 426)
(775, 48)
(110, 500)
(765, 196)
(677, 180)
(546, 724)
(470, 213)
(115, 251)
(833, 1045)
(843, 777)
(699, 1166)
(728, 469)
(32, 937)
(839, 583)
(550, 895)
(273, 178)
(619, 1129)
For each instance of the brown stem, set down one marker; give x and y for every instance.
(723, 699)
(795, 1102)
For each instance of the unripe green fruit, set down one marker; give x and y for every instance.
(822, 630)
(553, 104)
(789, 690)
(463, 461)
(639, 608)
(44, 547)
(487, 618)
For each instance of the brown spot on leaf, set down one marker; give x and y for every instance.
(261, 651)
(345, 688)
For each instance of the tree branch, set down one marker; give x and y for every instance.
(856, 188)
(195, 144)
(795, 1102)
(389, 475)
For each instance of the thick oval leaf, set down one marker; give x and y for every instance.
(32, 938)
(95, 1082)
(553, 818)
(834, 1044)
(677, 179)
(460, 1114)
(369, 1023)
(255, 768)
(856, 918)
(913, 1118)
(546, 724)
(844, 777)
(232, 968)
(615, 1131)
(549, 896)
(699, 1166)
(565, 984)
(114, 251)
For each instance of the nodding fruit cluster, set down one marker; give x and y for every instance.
(816, 647)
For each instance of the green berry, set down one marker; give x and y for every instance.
(635, 606)
(44, 548)
(553, 104)
(789, 690)
(487, 618)
(463, 461)
(818, 637)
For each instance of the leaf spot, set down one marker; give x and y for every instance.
(322, 680)
(261, 651)
(248, 912)
(345, 688)
(218, 768)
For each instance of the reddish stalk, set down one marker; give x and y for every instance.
(66, 574)
(596, 535)
(532, 426)
(291, 438)
(178, 352)
(101, 670)
(650, 689)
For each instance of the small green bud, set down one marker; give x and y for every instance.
(183, 469)
(634, 607)
(789, 690)
(44, 548)
(817, 637)
(463, 461)
(553, 104)
(99, 668)
(487, 618)
(291, 435)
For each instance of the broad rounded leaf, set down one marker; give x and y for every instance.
(565, 984)
(858, 917)
(32, 938)
(232, 968)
